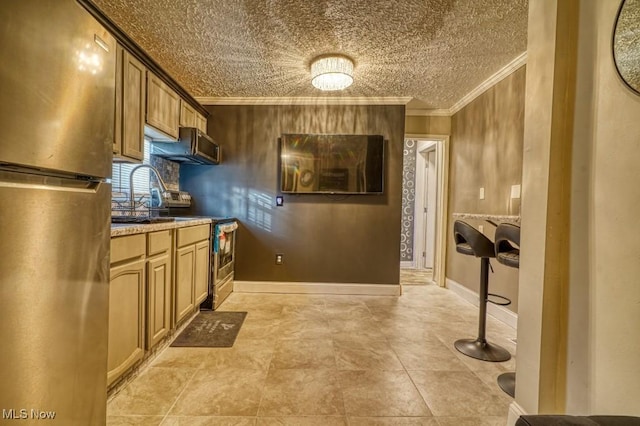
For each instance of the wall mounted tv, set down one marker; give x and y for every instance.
(331, 164)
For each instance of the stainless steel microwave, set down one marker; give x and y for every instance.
(193, 147)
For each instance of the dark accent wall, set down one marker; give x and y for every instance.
(324, 238)
(486, 151)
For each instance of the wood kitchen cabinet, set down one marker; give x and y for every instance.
(189, 117)
(201, 123)
(159, 279)
(185, 277)
(202, 271)
(187, 114)
(127, 287)
(163, 108)
(128, 142)
(191, 269)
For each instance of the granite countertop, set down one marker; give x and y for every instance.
(497, 218)
(121, 229)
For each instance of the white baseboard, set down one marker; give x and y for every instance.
(515, 411)
(316, 288)
(407, 264)
(496, 311)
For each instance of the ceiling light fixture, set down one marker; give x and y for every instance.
(332, 72)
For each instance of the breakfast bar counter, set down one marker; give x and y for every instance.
(491, 218)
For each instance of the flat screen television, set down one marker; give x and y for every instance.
(331, 164)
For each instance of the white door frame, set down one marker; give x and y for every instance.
(419, 225)
(441, 143)
(429, 197)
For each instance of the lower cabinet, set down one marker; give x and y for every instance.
(185, 277)
(159, 279)
(126, 305)
(202, 272)
(192, 269)
(152, 288)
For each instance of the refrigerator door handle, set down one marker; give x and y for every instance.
(50, 183)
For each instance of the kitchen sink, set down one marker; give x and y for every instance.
(141, 219)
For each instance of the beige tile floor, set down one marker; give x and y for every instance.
(416, 276)
(329, 360)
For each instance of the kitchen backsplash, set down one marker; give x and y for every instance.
(169, 171)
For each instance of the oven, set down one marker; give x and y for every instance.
(223, 248)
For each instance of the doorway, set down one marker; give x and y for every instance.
(430, 218)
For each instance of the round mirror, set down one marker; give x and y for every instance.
(626, 43)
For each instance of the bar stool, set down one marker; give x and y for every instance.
(508, 253)
(472, 242)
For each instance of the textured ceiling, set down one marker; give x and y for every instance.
(435, 51)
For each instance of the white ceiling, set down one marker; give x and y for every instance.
(432, 51)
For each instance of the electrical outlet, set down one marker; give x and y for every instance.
(482, 193)
(279, 258)
(481, 228)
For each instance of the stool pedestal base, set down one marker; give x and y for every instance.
(481, 349)
(507, 382)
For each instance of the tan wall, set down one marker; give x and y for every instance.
(601, 315)
(613, 345)
(486, 151)
(421, 125)
(546, 175)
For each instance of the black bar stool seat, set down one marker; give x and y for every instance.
(471, 242)
(508, 235)
(508, 253)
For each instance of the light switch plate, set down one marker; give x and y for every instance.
(482, 193)
(515, 191)
(481, 228)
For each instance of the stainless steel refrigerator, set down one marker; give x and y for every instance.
(57, 102)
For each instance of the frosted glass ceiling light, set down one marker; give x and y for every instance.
(333, 72)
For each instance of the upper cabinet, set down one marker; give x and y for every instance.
(130, 107)
(163, 108)
(146, 105)
(201, 123)
(189, 117)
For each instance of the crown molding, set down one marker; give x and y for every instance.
(428, 113)
(324, 100)
(508, 69)
(505, 71)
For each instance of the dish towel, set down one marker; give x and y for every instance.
(219, 229)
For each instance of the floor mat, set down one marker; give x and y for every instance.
(211, 329)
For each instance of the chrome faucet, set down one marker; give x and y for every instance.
(163, 187)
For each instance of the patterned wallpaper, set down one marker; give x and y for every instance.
(408, 199)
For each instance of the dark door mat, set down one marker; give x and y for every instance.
(211, 329)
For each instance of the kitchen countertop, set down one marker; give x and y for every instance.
(121, 229)
(497, 218)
